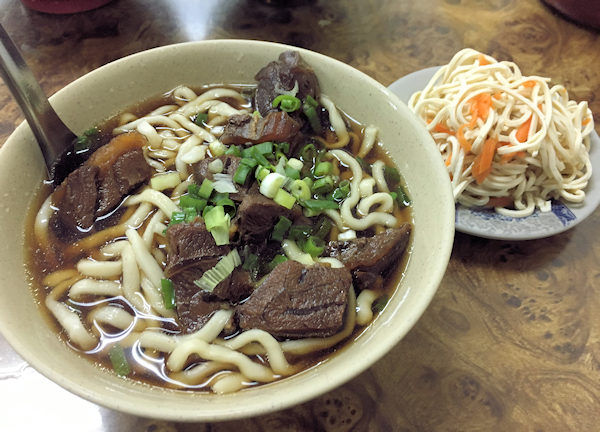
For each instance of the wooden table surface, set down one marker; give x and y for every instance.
(511, 341)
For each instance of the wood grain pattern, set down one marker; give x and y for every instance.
(512, 339)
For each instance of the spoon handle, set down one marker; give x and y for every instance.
(50, 131)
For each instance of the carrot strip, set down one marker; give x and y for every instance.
(504, 201)
(529, 83)
(482, 165)
(498, 95)
(464, 143)
(441, 127)
(482, 60)
(449, 159)
(586, 121)
(523, 131)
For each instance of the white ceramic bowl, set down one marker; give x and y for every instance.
(117, 86)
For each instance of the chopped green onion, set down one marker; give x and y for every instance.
(272, 184)
(261, 172)
(227, 204)
(119, 360)
(394, 195)
(214, 276)
(283, 147)
(310, 111)
(323, 185)
(190, 214)
(277, 259)
(295, 164)
(201, 118)
(264, 148)
(308, 153)
(314, 204)
(234, 150)
(242, 172)
(314, 246)
(284, 199)
(300, 189)
(391, 175)
(380, 304)
(84, 141)
(292, 173)
(299, 232)
(402, 198)
(287, 103)
(217, 222)
(177, 217)
(342, 191)
(280, 229)
(323, 168)
(205, 189)
(252, 264)
(206, 210)
(168, 293)
(323, 227)
(250, 162)
(191, 201)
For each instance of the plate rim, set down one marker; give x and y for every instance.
(406, 85)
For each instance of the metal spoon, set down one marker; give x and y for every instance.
(54, 137)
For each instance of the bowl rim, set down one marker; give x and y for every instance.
(284, 400)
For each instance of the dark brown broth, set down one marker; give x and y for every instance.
(152, 371)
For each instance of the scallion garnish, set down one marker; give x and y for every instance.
(168, 293)
(313, 246)
(217, 223)
(391, 175)
(277, 259)
(284, 199)
(280, 229)
(201, 118)
(323, 185)
(287, 103)
(314, 204)
(205, 189)
(380, 304)
(191, 201)
(234, 150)
(214, 276)
(323, 168)
(119, 360)
(402, 197)
(242, 172)
(342, 191)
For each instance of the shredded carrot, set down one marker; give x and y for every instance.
(529, 83)
(498, 95)
(449, 159)
(464, 143)
(441, 127)
(507, 157)
(482, 60)
(586, 121)
(523, 131)
(482, 165)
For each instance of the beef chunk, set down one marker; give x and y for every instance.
(282, 75)
(191, 252)
(128, 170)
(193, 308)
(76, 199)
(297, 301)
(246, 128)
(376, 254)
(258, 214)
(191, 243)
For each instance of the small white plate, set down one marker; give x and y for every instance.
(486, 222)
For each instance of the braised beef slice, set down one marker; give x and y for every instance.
(246, 128)
(193, 309)
(191, 252)
(76, 199)
(230, 166)
(282, 75)
(128, 171)
(191, 243)
(298, 301)
(258, 214)
(377, 254)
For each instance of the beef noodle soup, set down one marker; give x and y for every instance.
(223, 237)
